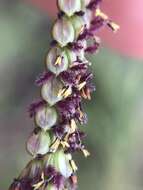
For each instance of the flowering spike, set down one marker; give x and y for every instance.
(66, 82)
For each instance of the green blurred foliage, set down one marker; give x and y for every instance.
(114, 131)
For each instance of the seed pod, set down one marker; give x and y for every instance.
(38, 142)
(50, 91)
(46, 117)
(69, 6)
(60, 161)
(57, 60)
(33, 170)
(78, 24)
(63, 31)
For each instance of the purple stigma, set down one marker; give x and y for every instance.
(44, 77)
(35, 106)
(93, 4)
(93, 48)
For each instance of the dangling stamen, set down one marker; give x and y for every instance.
(66, 137)
(54, 146)
(114, 26)
(65, 144)
(61, 91)
(81, 85)
(85, 152)
(83, 94)
(80, 113)
(58, 60)
(65, 92)
(39, 184)
(101, 14)
(88, 94)
(73, 166)
(73, 126)
(81, 30)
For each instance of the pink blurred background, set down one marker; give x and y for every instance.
(127, 13)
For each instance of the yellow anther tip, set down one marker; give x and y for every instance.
(101, 14)
(58, 60)
(80, 86)
(73, 165)
(86, 152)
(115, 26)
(73, 125)
(55, 145)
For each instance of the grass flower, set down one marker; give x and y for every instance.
(64, 85)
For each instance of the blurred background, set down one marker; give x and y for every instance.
(115, 113)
